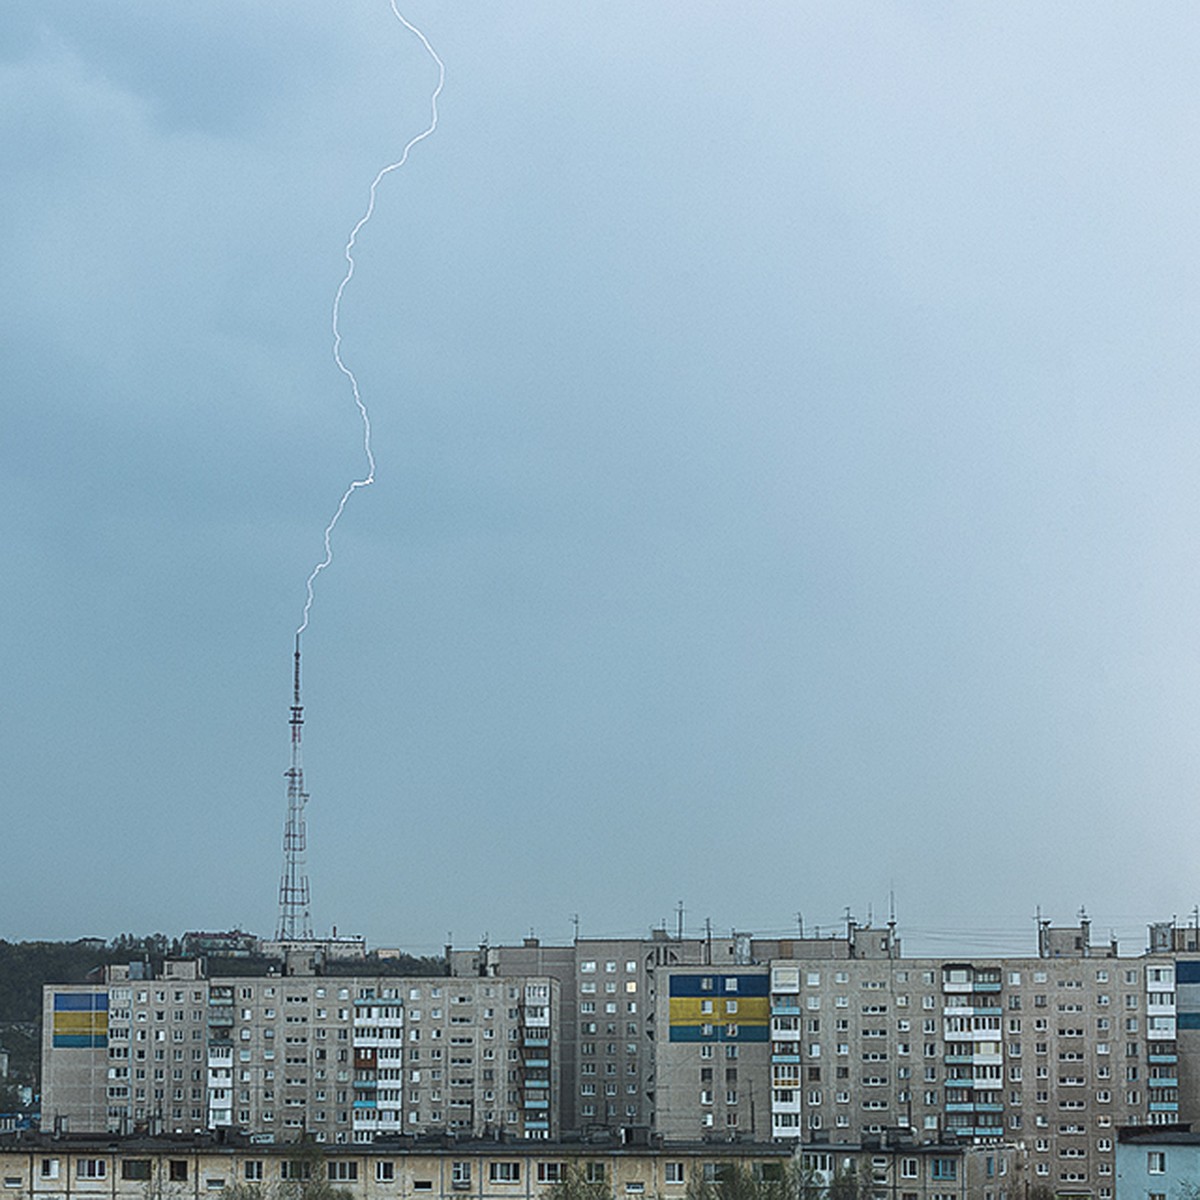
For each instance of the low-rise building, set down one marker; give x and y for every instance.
(1158, 1164)
(166, 1168)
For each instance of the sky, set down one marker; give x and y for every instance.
(787, 492)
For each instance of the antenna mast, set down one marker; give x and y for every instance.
(295, 920)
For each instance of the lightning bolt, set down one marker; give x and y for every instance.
(369, 478)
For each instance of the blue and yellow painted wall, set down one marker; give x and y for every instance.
(720, 1007)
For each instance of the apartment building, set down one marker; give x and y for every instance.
(1053, 1053)
(621, 1054)
(608, 989)
(343, 1059)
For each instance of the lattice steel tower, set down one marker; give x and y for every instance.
(295, 920)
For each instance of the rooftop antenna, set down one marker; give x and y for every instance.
(295, 918)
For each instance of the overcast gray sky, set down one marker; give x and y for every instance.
(786, 422)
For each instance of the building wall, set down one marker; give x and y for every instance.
(713, 1055)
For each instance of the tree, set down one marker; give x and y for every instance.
(575, 1185)
(763, 1181)
(803, 1183)
(844, 1185)
(306, 1177)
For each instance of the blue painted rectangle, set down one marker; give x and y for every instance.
(718, 985)
(1187, 972)
(80, 1001)
(695, 1033)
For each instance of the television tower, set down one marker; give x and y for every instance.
(295, 919)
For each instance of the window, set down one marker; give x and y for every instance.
(91, 1168)
(509, 1172)
(135, 1168)
(1156, 1162)
(343, 1171)
(252, 1170)
(460, 1174)
(551, 1172)
(673, 1172)
(593, 1172)
(944, 1168)
(49, 1169)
